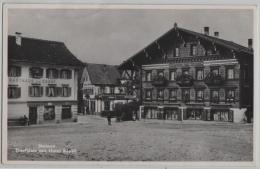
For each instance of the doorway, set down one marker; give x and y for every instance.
(33, 115)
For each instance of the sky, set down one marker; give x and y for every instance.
(110, 36)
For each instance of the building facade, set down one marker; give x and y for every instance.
(42, 81)
(189, 75)
(101, 88)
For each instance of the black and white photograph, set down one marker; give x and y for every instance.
(131, 83)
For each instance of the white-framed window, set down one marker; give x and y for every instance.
(51, 91)
(177, 52)
(14, 71)
(148, 94)
(173, 94)
(230, 73)
(148, 76)
(14, 92)
(65, 74)
(172, 75)
(199, 95)
(52, 73)
(35, 91)
(36, 72)
(230, 95)
(215, 95)
(193, 51)
(200, 74)
(160, 94)
(65, 91)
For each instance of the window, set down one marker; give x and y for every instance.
(65, 74)
(200, 74)
(160, 93)
(36, 72)
(14, 71)
(66, 112)
(89, 91)
(215, 96)
(186, 95)
(148, 94)
(52, 73)
(14, 92)
(199, 95)
(160, 73)
(193, 50)
(148, 76)
(185, 71)
(112, 90)
(177, 54)
(49, 113)
(107, 90)
(230, 95)
(230, 73)
(173, 94)
(172, 75)
(102, 90)
(215, 70)
(51, 91)
(65, 91)
(35, 91)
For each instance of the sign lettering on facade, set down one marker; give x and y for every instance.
(29, 80)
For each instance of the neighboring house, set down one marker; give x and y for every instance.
(189, 75)
(101, 88)
(42, 80)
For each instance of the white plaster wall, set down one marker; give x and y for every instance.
(17, 110)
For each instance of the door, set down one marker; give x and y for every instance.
(33, 115)
(107, 105)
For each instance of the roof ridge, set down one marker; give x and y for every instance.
(38, 39)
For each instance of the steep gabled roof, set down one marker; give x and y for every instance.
(41, 51)
(101, 74)
(227, 44)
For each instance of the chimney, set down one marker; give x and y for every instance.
(206, 30)
(18, 38)
(250, 43)
(216, 34)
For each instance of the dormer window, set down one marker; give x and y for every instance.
(52, 73)
(36, 72)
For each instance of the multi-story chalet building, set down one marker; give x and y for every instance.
(190, 75)
(42, 80)
(101, 88)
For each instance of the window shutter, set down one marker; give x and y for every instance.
(47, 91)
(69, 91)
(47, 74)
(143, 75)
(41, 72)
(41, 91)
(18, 92)
(192, 72)
(179, 94)
(30, 90)
(166, 74)
(59, 91)
(69, 74)
(206, 71)
(207, 94)
(30, 72)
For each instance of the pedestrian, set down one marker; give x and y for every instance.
(26, 120)
(109, 118)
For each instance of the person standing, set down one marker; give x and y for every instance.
(109, 118)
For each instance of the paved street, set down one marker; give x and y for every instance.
(92, 139)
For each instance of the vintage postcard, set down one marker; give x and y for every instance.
(146, 85)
